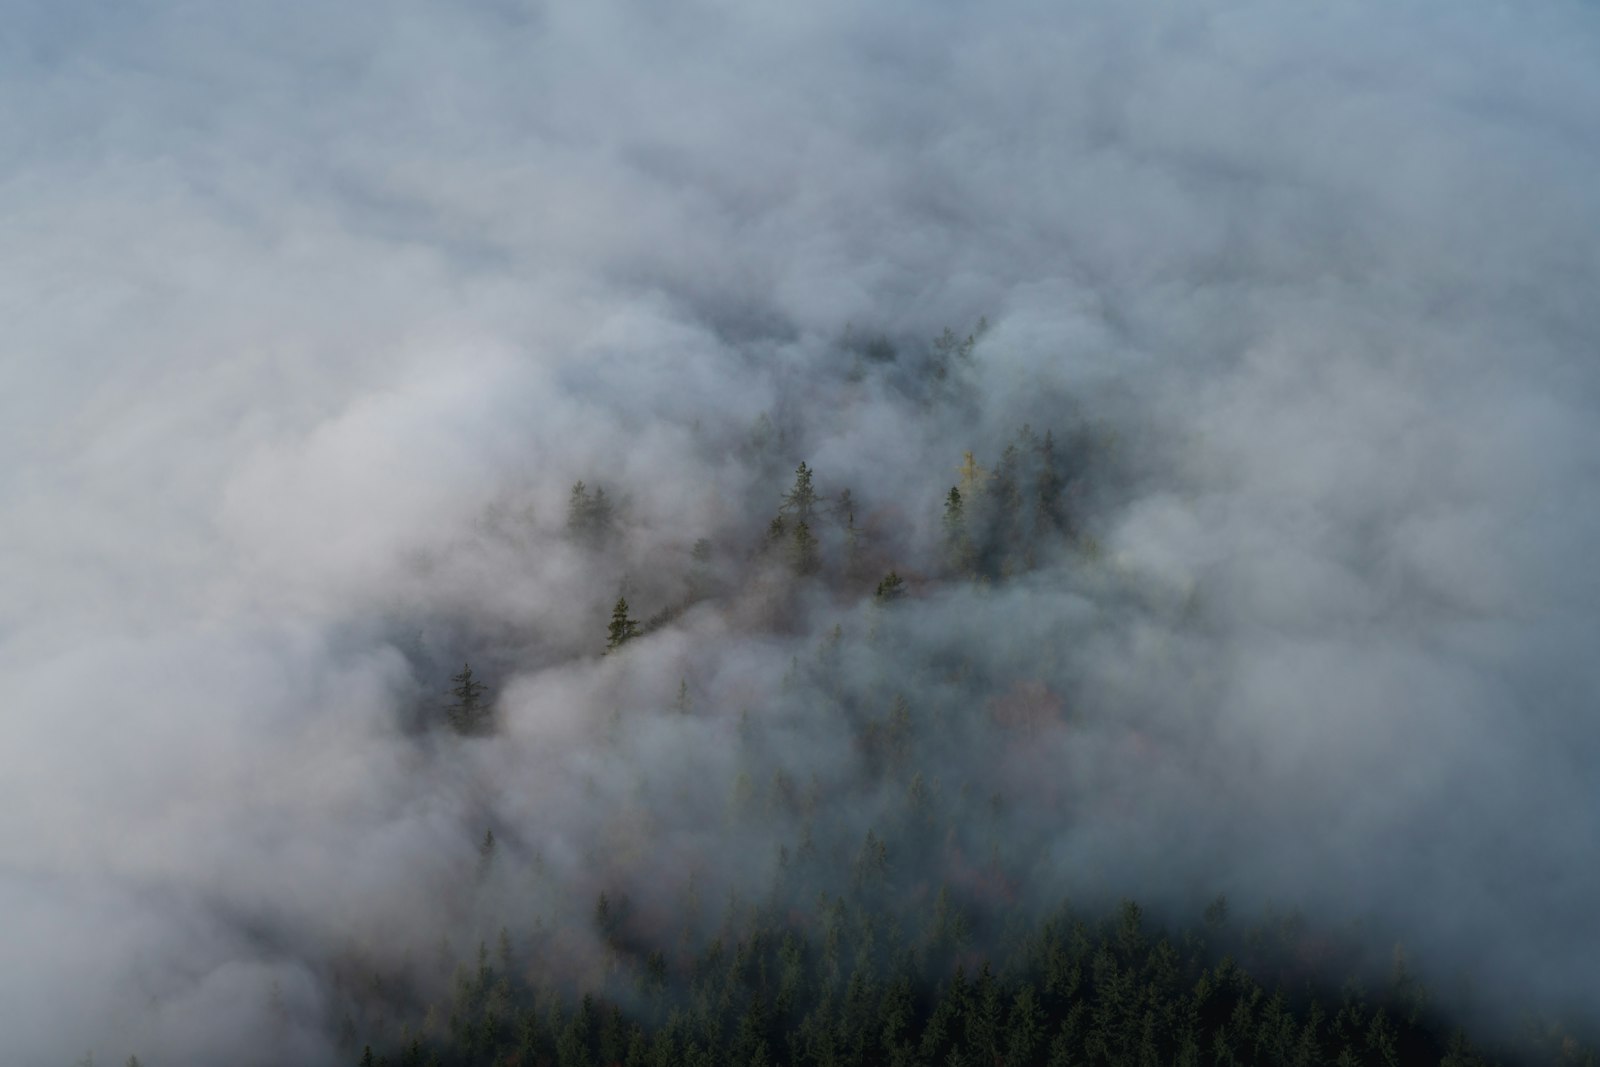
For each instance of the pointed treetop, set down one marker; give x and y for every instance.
(802, 497)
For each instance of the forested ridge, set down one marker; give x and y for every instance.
(916, 939)
(852, 862)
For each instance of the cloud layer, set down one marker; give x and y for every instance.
(315, 316)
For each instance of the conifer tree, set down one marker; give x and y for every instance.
(893, 587)
(957, 546)
(469, 714)
(799, 500)
(590, 516)
(579, 504)
(622, 629)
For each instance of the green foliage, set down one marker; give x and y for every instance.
(801, 498)
(622, 628)
(839, 988)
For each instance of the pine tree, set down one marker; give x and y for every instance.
(893, 587)
(622, 629)
(802, 498)
(469, 714)
(590, 517)
(957, 546)
(579, 505)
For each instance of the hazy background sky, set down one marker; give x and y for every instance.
(313, 314)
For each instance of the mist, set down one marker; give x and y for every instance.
(315, 316)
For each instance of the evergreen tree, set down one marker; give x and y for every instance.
(579, 506)
(622, 629)
(893, 587)
(957, 546)
(470, 714)
(590, 516)
(799, 500)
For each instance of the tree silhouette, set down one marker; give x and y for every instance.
(470, 714)
(622, 629)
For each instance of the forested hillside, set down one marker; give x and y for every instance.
(851, 856)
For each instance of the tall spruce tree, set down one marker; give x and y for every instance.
(470, 714)
(802, 498)
(622, 629)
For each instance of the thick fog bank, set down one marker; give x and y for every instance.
(316, 316)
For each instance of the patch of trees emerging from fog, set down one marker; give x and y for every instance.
(858, 958)
(895, 925)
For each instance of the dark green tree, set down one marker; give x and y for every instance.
(802, 498)
(622, 629)
(893, 587)
(470, 714)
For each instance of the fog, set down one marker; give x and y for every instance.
(315, 315)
